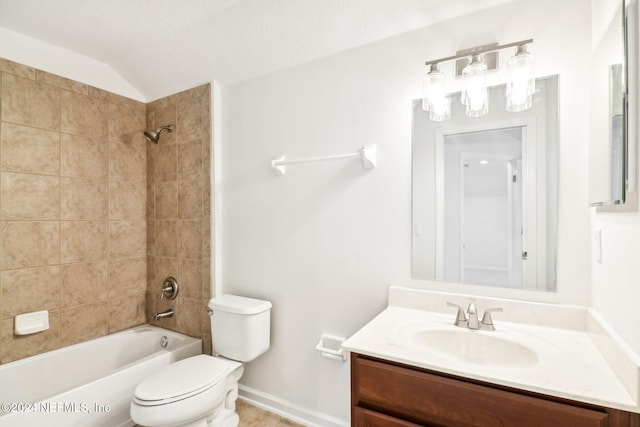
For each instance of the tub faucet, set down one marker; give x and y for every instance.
(163, 314)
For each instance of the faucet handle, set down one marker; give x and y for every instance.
(487, 322)
(461, 318)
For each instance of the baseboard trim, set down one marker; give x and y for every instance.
(287, 409)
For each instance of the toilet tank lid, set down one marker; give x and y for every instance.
(238, 304)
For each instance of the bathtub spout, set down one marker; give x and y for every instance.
(163, 314)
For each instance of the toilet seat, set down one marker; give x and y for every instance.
(182, 380)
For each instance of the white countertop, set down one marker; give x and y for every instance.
(569, 364)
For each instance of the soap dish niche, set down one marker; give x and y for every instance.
(330, 346)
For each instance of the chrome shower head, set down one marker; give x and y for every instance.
(154, 135)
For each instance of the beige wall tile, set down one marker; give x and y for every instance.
(83, 115)
(189, 239)
(189, 121)
(190, 161)
(29, 244)
(207, 292)
(16, 347)
(29, 197)
(188, 315)
(30, 289)
(127, 277)
(185, 238)
(206, 196)
(30, 103)
(127, 200)
(93, 145)
(61, 82)
(19, 70)
(164, 267)
(30, 150)
(166, 165)
(83, 241)
(127, 239)
(207, 347)
(163, 117)
(126, 125)
(126, 312)
(83, 199)
(190, 199)
(151, 237)
(112, 98)
(166, 238)
(190, 278)
(84, 283)
(151, 123)
(83, 322)
(127, 162)
(82, 157)
(195, 93)
(206, 237)
(167, 200)
(151, 201)
(151, 265)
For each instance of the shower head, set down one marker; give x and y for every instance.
(154, 135)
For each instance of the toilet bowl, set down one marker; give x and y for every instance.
(202, 390)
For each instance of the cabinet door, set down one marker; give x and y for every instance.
(433, 399)
(366, 418)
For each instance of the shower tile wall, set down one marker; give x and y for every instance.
(72, 210)
(178, 211)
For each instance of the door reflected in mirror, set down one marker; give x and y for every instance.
(485, 194)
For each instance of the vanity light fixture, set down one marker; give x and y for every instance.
(475, 96)
(435, 99)
(521, 81)
(472, 65)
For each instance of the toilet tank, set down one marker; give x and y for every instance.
(240, 327)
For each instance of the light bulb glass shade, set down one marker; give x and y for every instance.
(475, 95)
(521, 83)
(434, 96)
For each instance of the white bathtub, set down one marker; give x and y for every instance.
(87, 384)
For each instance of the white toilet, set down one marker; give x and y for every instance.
(201, 391)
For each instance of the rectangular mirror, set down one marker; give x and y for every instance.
(485, 193)
(613, 86)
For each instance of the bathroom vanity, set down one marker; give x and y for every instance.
(543, 365)
(388, 394)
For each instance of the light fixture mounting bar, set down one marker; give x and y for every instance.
(478, 50)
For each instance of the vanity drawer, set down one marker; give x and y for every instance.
(366, 418)
(430, 399)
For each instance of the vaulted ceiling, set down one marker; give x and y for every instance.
(159, 46)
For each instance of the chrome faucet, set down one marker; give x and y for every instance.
(471, 322)
(163, 314)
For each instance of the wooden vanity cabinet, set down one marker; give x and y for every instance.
(387, 394)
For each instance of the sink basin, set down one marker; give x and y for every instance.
(475, 347)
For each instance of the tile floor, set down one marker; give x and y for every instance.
(251, 416)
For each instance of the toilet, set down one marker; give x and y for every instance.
(201, 391)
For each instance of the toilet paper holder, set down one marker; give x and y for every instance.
(330, 346)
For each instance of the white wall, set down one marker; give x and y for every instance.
(325, 241)
(43, 56)
(615, 282)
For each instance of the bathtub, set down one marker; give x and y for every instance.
(87, 384)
